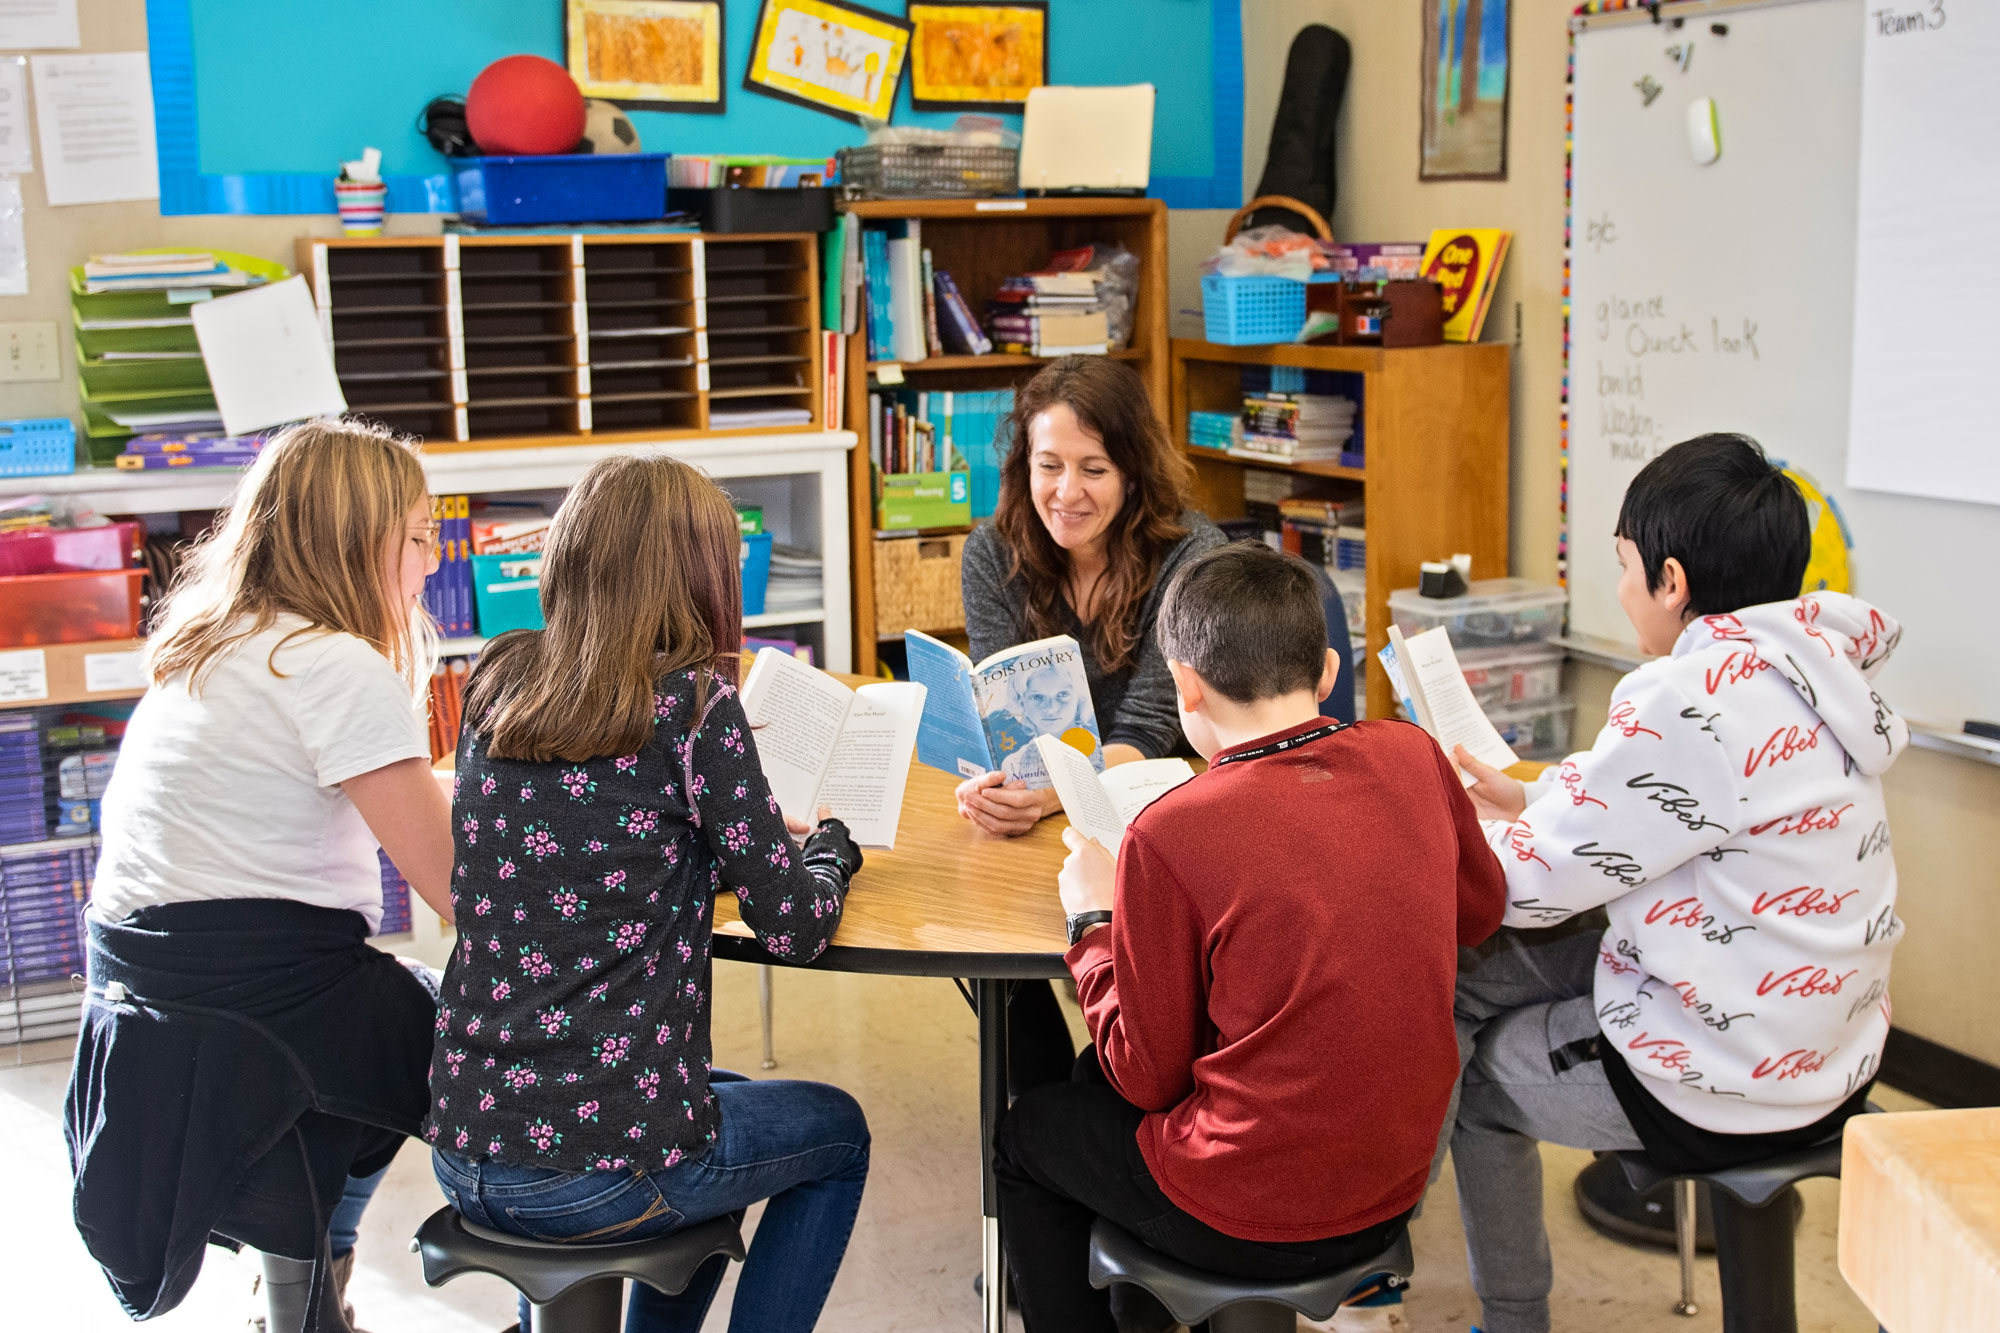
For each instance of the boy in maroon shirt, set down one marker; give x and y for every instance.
(1266, 934)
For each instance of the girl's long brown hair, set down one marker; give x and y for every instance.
(316, 531)
(639, 579)
(1110, 403)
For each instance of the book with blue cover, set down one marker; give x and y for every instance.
(983, 716)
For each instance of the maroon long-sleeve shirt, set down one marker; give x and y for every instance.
(1275, 987)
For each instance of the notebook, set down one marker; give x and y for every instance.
(1087, 140)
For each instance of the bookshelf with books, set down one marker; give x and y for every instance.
(976, 248)
(1426, 462)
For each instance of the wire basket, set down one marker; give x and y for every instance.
(923, 170)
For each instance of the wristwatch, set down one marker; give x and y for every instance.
(1082, 921)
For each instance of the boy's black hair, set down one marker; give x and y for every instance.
(1736, 523)
(1248, 619)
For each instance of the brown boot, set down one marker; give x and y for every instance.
(343, 1269)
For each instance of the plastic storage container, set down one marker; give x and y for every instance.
(70, 550)
(1529, 674)
(746, 208)
(507, 592)
(563, 187)
(37, 447)
(38, 609)
(1535, 731)
(1493, 614)
(754, 559)
(1253, 309)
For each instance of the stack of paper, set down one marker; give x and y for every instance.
(161, 272)
(797, 580)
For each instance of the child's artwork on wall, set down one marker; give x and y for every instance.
(972, 56)
(832, 57)
(1465, 90)
(663, 55)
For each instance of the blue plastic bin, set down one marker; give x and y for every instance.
(563, 187)
(754, 558)
(37, 447)
(507, 592)
(1242, 311)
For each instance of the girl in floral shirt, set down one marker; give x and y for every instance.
(608, 788)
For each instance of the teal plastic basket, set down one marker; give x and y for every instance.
(37, 447)
(1240, 311)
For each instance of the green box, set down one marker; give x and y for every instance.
(749, 520)
(908, 500)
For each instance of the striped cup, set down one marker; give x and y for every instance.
(360, 204)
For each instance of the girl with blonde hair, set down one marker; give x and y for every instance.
(608, 786)
(248, 1063)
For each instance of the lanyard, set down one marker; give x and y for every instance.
(1288, 743)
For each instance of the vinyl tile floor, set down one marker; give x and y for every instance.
(907, 1049)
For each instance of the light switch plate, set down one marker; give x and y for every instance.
(28, 352)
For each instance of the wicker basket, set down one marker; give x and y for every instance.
(929, 171)
(916, 585)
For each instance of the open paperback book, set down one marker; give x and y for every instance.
(1101, 805)
(986, 715)
(821, 743)
(1425, 673)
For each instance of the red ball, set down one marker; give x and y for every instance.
(524, 105)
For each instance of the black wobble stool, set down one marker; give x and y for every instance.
(1754, 1220)
(1232, 1304)
(572, 1288)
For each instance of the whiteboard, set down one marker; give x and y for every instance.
(1721, 297)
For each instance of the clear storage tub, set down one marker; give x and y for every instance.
(1530, 673)
(1537, 730)
(1493, 613)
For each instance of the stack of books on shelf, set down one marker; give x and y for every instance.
(914, 310)
(909, 431)
(448, 704)
(448, 591)
(748, 171)
(797, 580)
(181, 448)
(1292, 415)
(23, 790)
(42, 894)
(395, 898)
(1327, 532)
(1216, 430)
(139, 367)
(1056, 312)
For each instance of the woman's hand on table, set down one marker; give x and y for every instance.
(1088, 880)
(1494, 794)
(1116, 753)
(1004, 806)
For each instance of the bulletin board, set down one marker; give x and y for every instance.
(258, 103)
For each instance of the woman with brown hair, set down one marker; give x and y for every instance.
(1092, 523)
(607, 786)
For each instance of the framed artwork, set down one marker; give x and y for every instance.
(832, 57)
(661, 55)
(1464, 90)
(981, 57)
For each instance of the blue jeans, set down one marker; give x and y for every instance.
(346, 1222)
(803, 1146)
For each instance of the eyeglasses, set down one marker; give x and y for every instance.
(426, 533)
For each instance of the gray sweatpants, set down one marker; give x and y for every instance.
(1527, 1025)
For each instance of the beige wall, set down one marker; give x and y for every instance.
(1945, 812)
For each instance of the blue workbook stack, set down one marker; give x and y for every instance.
(42, 896)
(395, 898)
(23, 788)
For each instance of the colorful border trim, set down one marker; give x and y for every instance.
(186, 189)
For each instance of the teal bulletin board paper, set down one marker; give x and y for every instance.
(257, 104)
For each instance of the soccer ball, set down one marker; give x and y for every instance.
(606, 129)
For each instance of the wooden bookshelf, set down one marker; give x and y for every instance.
(981, 242)
(492, 341)
(1434, 430)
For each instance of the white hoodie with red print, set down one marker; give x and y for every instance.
(1730, 819)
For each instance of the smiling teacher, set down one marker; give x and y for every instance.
(1092, 523)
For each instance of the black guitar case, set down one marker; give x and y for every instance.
(1301, 158)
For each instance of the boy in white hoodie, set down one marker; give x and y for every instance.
(1729, 821)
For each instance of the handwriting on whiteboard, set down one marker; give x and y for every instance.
(1635, 332)
(1898, 23)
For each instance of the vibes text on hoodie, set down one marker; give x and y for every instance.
(1730, 820)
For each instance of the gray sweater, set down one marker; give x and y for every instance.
(1135, 705)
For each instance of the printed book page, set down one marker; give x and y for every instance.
(796, 714)
(1084, 799)
(870, 764)
(1133, 787)
(1444, 701)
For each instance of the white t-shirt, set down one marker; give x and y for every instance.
(234, 793)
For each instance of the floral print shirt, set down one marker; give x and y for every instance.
(573, 1032)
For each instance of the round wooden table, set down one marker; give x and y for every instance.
(949, 901)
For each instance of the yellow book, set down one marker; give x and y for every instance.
(1465, 262)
